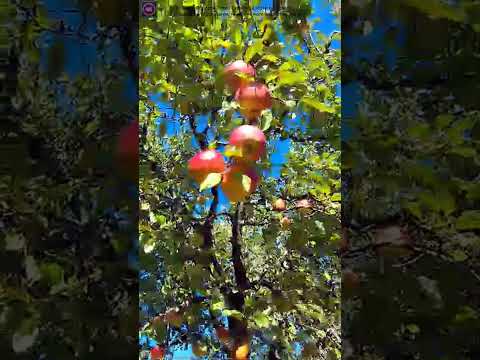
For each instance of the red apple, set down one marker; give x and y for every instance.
(253, 99)
(232, 182)
(223, 335)
(127, 151)
(279, 205)
(250, 140)
(157, 353)
(204, 163)
(128, 141)
(233, 69)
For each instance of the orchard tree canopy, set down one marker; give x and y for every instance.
(239, 279)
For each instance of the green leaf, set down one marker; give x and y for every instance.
(336, 197)
(267, 120)
(234, 313)
(252, 50)
(232, 151)
(442, 121)
(459, 255)
(270, 57)
(212, 179)
(52, 273)
(316, 104)
(469, 220)
(465, 314)
(413, 328)
(464, 151)
(262, 320)
(218, 305)
(246, 183)
(291, 78)
(14, 241)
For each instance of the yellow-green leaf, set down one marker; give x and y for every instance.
(270, 57)
(469, 220)
(233, 151)
(212, 179)
(246, 183)
(252, 50)
(291, 78)
(316, 104)
(262, 320)
(413, 328)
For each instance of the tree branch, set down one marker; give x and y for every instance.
(238, 266)
(207, 227)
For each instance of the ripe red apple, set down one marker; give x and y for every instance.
(204, 163)
(157, 353)
(128, 151)
(253, 99)
(279, 205)
(250, 140)
(233, 69)
(128, 141)
(232, 182)
(223, 335)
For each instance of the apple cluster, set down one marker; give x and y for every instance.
(247, 143)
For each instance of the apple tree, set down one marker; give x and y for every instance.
(239, 182)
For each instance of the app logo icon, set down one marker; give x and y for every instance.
(149, 8)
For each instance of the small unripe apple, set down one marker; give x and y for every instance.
(250, 140)
(233, 182)
(253, 99)
(279, 205)
(233, 70)
(157, 353)
(285, 222)
(204, 163)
